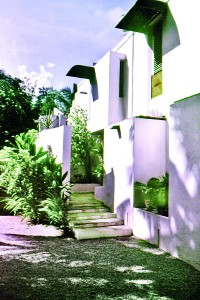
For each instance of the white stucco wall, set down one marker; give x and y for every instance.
(150, 148)
(83, 95)
(184, 204)
(142, 69)
(117, 191)
(181, 49)
(126, 47)
(116, 105)
(183, 64)
(98, 115)
(59, 139)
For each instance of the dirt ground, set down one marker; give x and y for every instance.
(37, 263)
(17, 226)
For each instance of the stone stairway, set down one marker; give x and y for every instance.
(91, 219)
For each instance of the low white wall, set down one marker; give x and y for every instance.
(59, 139)
(151, 227)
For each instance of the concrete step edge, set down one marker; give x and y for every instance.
(98, 209)
(86, 205)
(91, 216)
(96, 223)
(85, 200)
(102, 232)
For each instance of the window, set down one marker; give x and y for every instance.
(157, 47)
(95, 94)
(156, 84)
(121, 78)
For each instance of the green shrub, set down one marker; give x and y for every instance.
(29, 175)
(87, 150)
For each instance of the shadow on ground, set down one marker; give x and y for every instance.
(58, 268)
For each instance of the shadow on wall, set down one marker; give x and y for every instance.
(131, 133)
(106, 192)
(124, 212)
(185, 178)
(170, 34)
(184, 221)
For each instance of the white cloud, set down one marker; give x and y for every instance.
(50, 65)
(36, 79)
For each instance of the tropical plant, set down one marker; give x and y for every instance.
(46, 121)
(56, 205)
(50, 98)
(28, 175)
(87, 149)
(155, 193)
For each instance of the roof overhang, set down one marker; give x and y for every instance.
(142, 15)
(81, 71)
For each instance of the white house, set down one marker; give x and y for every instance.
(144, 95)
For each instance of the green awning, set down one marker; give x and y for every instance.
(142, 14)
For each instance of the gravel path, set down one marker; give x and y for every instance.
(36, 263)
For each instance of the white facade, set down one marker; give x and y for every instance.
(137, 148)
(59, 139)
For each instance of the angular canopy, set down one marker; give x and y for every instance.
(81, 71)
(142, 14)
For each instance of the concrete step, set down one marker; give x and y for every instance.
(88, 210)
(102, 232)
(82, 200)
(95, 223)
(92, 215)
(73, 206)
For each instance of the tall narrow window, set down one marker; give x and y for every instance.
(157, 48)
(121, 78)
(95, 94)
(156, 84)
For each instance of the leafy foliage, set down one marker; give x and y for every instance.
(87, 149)
(155, 193)
(50, 98)
(29, 175)
(16, 112)
(56, 205)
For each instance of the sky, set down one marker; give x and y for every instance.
(43, 39)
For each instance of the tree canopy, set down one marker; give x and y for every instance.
(16, 110)
(20, 107)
